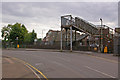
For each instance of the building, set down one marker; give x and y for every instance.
(88, 34)
(50, 37)
(53, 37)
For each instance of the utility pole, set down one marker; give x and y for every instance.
(71, 33)
(101, 35)
(43, 33)
(71, 38)
(61, 38)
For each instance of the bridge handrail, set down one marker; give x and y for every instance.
(87, 22)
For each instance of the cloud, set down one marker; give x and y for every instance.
(119, 13)
(93, 11)
(46, 15)
(60, 0)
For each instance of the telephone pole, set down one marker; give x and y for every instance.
(101, 35)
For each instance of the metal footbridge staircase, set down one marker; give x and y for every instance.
(85, 26)
(78, 24)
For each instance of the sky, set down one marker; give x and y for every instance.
(42, 16)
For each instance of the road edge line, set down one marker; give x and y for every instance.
(30, 66)
(33, 71)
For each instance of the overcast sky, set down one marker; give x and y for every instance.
(42, 16)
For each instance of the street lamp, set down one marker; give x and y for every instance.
(17, 42)
(101, 35)
(42, 32)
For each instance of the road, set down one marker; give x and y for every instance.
(54, 64)
(15, 69)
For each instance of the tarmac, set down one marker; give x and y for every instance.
(76, 64)
(12, 68)
(90, 53)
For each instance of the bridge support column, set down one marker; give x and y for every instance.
(61, 38)
(71, 38)
(66, 37)
(75, 35)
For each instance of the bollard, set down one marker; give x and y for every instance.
(105, 49)
(18, 46)
(95, 49)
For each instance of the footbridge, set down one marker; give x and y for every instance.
(77, 24)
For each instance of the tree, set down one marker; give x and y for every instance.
(17, 30)
(27, 38)
(39, 39)
(6, 32)
(30, 37)
(12, 32)
(34, 35)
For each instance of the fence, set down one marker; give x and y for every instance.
(117, 45)
(80, 46)
(45, 45)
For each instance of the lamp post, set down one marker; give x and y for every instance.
(17, 42)
(101, 35)
(43, 33)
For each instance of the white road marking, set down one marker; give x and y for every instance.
(33, 71)
(100, 72)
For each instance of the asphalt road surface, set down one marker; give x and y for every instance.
(66, 64)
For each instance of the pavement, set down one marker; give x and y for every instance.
(66, 64)
(12, 68)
